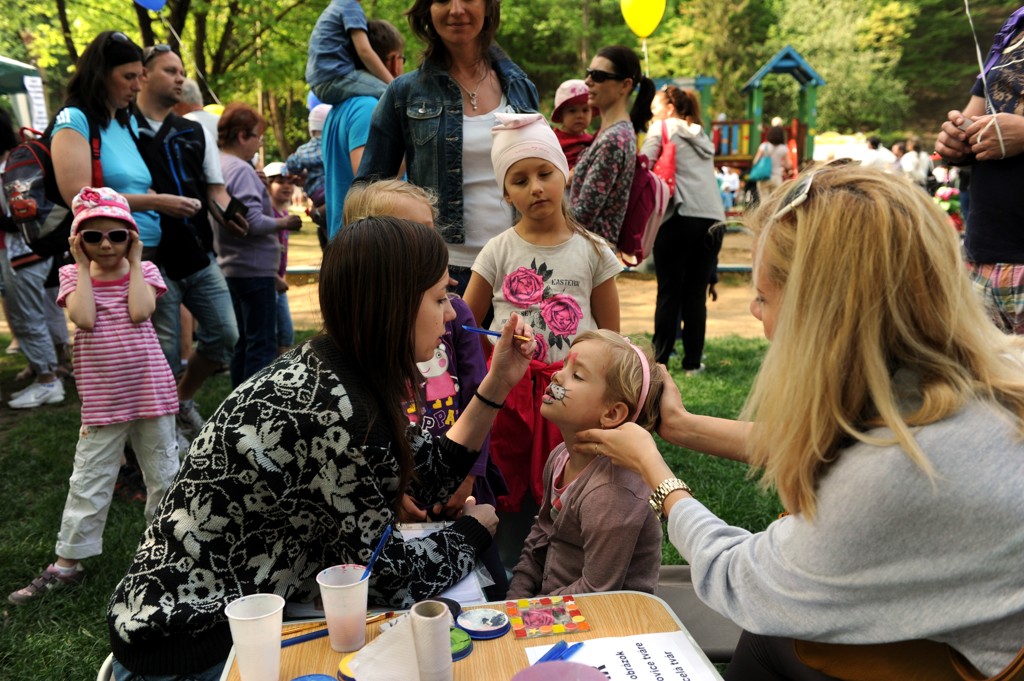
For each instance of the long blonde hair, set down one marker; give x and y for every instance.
(872, 284)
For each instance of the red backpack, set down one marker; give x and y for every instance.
(649, 197)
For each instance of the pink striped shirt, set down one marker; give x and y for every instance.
(120, 371)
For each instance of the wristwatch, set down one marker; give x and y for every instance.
(657, 498)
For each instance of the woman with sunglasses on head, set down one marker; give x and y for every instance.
(438, 119)
(888, 413)
(99, 98)
(686, 249)
(128, 392)
(601, 179)
(250, 263)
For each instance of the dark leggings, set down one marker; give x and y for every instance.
(685, 257)
(769, 658)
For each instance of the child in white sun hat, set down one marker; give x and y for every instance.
(574, 114)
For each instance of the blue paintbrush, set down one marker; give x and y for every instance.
(376, 552)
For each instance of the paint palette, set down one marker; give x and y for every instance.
(545, 616)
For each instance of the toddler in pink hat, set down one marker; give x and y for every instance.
(127, 389)
(574, 114)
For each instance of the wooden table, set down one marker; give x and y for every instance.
(616, 613)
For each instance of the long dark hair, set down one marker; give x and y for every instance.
(627, 64)
(423, 27)
(372, 279)
(87, 88)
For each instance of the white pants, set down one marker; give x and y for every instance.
(97, 461)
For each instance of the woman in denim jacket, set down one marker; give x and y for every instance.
(439, 119)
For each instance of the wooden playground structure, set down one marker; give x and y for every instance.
(736, 141)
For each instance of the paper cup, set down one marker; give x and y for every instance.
(255, 623)
(343, 592)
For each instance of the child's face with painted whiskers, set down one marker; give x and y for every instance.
(577, 397)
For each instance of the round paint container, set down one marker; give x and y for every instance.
(484, 623)
(345, 668)
(313, 677)
(462, 644)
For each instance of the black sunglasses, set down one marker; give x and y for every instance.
(599, 76)
(153, 50)
(94, 236)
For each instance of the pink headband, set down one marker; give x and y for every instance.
(647, 379)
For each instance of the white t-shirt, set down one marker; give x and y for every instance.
(484, 214)
(550, 286)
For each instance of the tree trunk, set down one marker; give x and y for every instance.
(145, 24)
(65, 29)
(199, 55)
(179, 13)
(277, 123)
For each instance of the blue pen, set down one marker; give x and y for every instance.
(571, 650)
(376, 552)
(554, 653)
(496, 334)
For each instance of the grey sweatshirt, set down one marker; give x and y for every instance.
(890, 557)
(697, 194)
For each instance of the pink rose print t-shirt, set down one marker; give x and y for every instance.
(548, 285)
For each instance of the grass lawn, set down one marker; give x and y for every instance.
(64, 636)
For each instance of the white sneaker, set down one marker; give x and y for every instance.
(37, 395)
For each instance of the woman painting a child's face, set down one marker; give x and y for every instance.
(576, 399)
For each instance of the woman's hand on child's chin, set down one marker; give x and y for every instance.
(629, 446)
(512, 357)
(135, 251)
(77, 251)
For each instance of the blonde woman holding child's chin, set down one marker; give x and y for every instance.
(888, 414)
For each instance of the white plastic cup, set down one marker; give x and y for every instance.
(255, 623)
(343, 592)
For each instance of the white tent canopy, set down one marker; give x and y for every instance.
(22, 84)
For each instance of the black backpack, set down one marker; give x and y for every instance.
(29, 183)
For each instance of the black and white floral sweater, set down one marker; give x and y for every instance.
(292, 474)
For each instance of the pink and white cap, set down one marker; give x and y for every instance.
(571, 92)
(519, 136)
(100, 202)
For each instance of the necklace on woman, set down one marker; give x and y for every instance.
(473, 94)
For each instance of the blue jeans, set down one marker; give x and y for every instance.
(356, 83)
(285, 329)
(255, 301)
(30, 307)
(212, 674)
(205, 294)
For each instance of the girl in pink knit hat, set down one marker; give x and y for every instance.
(126, 387)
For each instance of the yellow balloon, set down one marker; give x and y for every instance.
(643, 16)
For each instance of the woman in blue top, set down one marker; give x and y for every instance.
(439, 119)
(102, 89)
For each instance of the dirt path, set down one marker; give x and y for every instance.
(729, 315)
